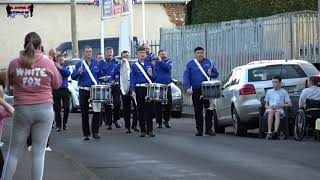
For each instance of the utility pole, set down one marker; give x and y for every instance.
(143, 23)
(317, 59)
(74, 34)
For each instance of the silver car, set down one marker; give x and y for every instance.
(245, 85)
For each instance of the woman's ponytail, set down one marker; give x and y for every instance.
(32, 42)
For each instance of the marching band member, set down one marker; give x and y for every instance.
(163, 69)
(107, 66)
(87, 72)
(123, 70)
(142, 72)
(195, 73)
(61, 94)
(149, 54)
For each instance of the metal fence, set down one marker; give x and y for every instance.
(154, 45)
(235, 43)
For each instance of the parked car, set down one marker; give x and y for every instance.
(245, 85)
(176, 110)
(177, 101)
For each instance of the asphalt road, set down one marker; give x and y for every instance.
(177, 153)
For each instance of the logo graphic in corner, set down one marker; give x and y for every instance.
(24, 10)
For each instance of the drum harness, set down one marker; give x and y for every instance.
(211, 105)
(95, 106)
(143, 72)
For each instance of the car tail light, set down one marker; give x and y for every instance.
(247, 89)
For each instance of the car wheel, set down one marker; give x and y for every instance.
(72, 108)
(238, 128)
(176, 114)
(217, 128)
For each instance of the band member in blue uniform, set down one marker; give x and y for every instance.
(123, 70)
(61, 94)
(142, 72)
(150, 55)
(107, 66)
(81, 74)
(163, 69)
(192, 79)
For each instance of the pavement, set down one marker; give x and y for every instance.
(177, 154)
(58, 166)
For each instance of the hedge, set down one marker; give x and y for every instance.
(209, 11)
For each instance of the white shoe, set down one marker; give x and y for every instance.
(29, 148)
(48, 149)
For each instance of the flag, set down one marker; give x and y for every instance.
(96, 2)
(135, 1)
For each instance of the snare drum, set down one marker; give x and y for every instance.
(157, 92)
(101, 94)
(211, 89)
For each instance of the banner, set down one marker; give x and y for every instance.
(125, 7)
(24, 10)
(107, 9)
(117, 6)
(110, 8)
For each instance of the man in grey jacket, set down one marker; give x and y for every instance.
(312, 92)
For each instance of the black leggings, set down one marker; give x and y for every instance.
(1, 162)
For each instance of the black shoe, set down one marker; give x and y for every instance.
(275, 135)
(65, 127)
(199, 134)
(160, 126)
(143, 134)
(86, 138)
(58, 129)
(109, 128)
(117, 125)
(96, 136)
(150, 134)
(135, 129)
(128, 131)
(166, 124)
(210, 133)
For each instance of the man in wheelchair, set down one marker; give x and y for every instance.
(276, 100)
(309, 104)
(312, 92)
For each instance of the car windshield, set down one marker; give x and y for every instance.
(71, 62)
(266, 73)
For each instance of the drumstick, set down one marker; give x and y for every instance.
(135, 101)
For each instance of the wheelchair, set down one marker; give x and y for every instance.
(305, 120)
(263, 122)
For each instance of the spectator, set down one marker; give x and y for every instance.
(33, 105)
(312, 92)
(276, 99)
(5, 111)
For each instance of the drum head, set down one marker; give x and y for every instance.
(156, 85)
(211, 83)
